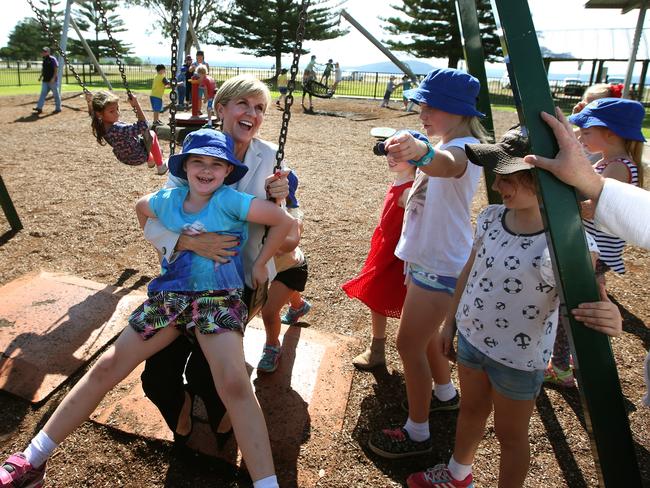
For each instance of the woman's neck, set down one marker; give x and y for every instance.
(240, 150)
(525, 220)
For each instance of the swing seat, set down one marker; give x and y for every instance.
(318, 90)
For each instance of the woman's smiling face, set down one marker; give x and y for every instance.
(242, 117)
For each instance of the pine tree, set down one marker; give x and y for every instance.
(25, 41)
(432, 27)
(89, 20)
(268, 27)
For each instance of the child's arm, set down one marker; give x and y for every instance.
(293, 238)
(143, 210)
(447, 163)
(449, 327)
(617, 171)
(279, 222)
(89, 101)
(138, 110)
(603, 316)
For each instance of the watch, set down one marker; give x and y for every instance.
(426, 159)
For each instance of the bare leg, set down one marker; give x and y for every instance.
(511, 421)
(112, 367)
(422, 315)
(475, 408)
(295, 300)
(375, 353)
(225, 354)
(278, 295)
(378, 325)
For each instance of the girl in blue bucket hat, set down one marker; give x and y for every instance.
(435, 242)
(610, 127)
(193, 295)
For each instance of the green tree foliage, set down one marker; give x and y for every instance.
(432, 30)
(203, 14)
(88, 19)
(268, 27)
(25, 41)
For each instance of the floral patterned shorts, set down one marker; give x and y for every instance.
(210, 312)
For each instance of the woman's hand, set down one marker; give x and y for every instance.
(277, 185)
(209, 245)
(404, 147)
(259, 274)
(447, 334)
(603, 316)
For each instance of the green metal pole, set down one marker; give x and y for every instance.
(8, 207)
(601, 395)
(475, 58)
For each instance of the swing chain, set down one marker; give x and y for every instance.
(56, 46)
(173, 96)
(286, 115)
(113, 45)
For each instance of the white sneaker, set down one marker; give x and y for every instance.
(162, 169)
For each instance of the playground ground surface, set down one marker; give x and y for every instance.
(76, 204)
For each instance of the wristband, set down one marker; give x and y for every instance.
(426, 159)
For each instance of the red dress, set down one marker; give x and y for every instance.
(380, 284)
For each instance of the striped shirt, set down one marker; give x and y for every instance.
(610, 246)
(126, 143)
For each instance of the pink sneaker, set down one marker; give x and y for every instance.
(439, 477)
(16, 472)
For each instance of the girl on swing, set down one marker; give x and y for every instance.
(132, 144)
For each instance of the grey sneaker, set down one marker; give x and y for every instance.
(293, 314)
(396, 444)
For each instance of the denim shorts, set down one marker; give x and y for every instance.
(431, 281)
(512, 383)
(156, 104)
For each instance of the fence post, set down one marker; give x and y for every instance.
(376, 83)
(18, 65)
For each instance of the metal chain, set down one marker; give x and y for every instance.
(286, 115)
(173, 96)
(56, 46)
(113, 46)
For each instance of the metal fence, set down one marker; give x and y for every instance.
(353, 83)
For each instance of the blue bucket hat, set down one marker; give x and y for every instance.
(623, 117)
(292, 201)
(208, 142)
(448, 89)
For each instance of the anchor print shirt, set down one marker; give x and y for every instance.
(509, 308)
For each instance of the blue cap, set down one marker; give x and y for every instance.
(623, 117)
(208, 142)
(292, 201)
(449, 90)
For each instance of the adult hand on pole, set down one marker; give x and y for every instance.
(603, 316)
(570, 164)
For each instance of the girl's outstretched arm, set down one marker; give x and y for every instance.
(279, 222)
(447, 163)
(603, 316)
(138, 110)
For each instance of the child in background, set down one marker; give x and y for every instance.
(308, 75)
(200, 60)
(390, 88)
(380, 283)
(186, 76)
(406, 86)
(611, 128)
(597, 91)
(291, 266)
(157, 91)
(505, 309)
(282, 86)
(337, 77)
(192, 295)
(127, 140)
(435, 243)
(327, 71)
(209, 89)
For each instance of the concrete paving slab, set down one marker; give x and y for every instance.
(51, 324)
(303, 401)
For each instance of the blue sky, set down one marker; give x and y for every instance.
(355, 50)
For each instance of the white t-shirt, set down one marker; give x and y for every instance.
(437, 231)
(509, 308)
